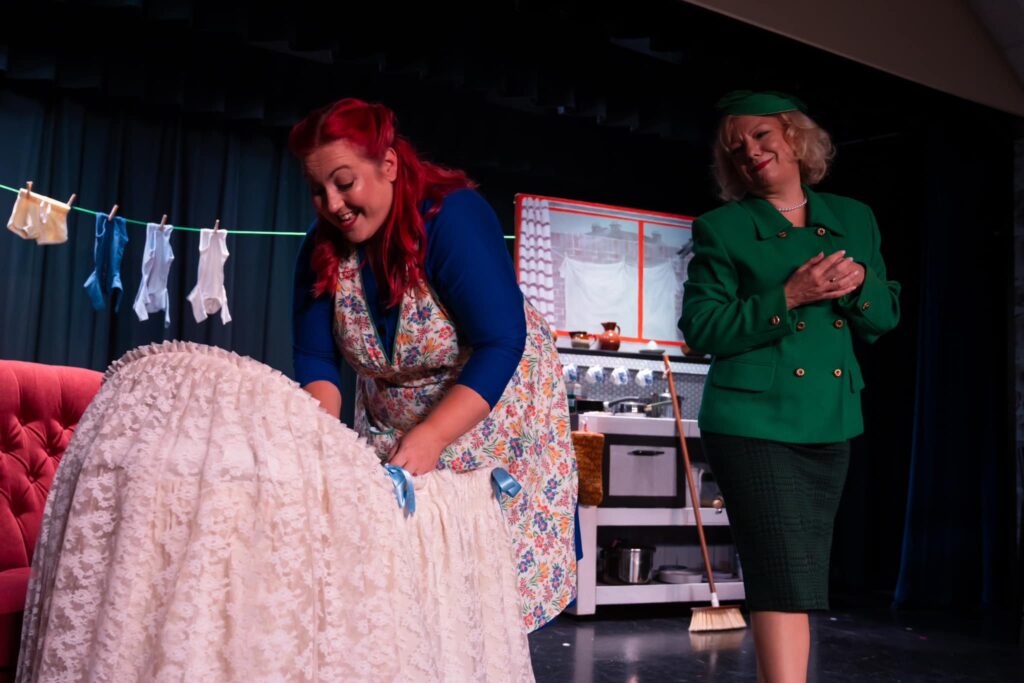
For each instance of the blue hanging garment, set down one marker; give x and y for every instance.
(111, 238)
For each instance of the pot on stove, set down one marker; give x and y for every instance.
(660, 408)
(633, 405)
(630, 404)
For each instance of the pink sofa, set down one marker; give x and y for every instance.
(40, 405)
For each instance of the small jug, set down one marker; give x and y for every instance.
(609, 339)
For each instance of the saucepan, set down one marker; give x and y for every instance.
(662, 407)
(628, 404)
(628, 563)
(633, 405)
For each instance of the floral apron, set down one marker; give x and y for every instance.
(527, 431)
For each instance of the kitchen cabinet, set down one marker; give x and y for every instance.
(591, 591)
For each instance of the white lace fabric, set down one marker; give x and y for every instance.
(209, 522)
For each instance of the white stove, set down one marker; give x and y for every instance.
(637, 425)
(641, 464)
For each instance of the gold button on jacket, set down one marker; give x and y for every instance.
(734, 292)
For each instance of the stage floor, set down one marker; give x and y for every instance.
(629, 646)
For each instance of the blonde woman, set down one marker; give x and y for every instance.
(781, 280)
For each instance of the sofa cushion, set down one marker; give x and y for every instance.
(40, 405)
(13, 587)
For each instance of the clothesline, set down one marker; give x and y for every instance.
(15, 190)
(43, 219)
(132, 221)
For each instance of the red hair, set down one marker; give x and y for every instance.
(397, 251)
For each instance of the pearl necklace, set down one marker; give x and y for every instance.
(794, 207)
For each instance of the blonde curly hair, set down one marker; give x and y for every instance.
(811, 144)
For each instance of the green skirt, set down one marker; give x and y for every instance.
(782, 500)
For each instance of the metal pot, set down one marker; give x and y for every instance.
(660, 409)
(628, 563)
(630, 404)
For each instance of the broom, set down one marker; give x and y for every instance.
(716, 617)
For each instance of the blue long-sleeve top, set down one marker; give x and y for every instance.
(469, 268)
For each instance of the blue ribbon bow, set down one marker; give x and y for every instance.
(503, 482)
(405, 491)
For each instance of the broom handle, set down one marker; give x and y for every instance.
(689, 478)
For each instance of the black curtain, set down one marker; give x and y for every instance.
(959, 539)
(148, 164)
(869, 524)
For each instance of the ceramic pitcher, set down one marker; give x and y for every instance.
(609, 339)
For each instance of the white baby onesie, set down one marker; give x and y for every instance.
(39, 218)
(209, 295)
(156, 265)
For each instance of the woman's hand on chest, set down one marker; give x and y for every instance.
(823, 277)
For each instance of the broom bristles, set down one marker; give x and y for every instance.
(720, 641)
(716, 619)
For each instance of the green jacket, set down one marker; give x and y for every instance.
(785, 376)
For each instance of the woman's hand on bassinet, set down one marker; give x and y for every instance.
(461, 409)
(418, 451)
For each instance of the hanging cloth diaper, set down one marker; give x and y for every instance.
(111, 238)
(596, 292)
(660, 309)
(39, 218)
(156, 264)
(209, 295)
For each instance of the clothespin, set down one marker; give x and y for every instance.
(216, 225)
(71, 199)
(113, 212)
(163, 222)
(28, 187)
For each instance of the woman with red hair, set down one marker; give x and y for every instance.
(211, 521)
(406, 276)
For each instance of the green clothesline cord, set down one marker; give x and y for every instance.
(180, 227)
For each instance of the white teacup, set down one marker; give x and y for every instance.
(645, 378)
(595, 375)
(570, 373)
(620, 376)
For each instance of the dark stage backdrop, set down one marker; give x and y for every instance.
(930, 502)
(148, 165)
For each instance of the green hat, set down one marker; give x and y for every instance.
(750, 103)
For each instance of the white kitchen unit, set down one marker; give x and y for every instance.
(591, 592)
